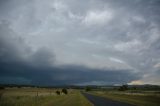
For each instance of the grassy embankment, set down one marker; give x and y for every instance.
(41, 97)
(138, 98)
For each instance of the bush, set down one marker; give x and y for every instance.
(87, 88)
(1, 87)
(123, 88)
(64, 91)
(58, 92)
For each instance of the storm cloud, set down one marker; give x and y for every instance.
(56, 42)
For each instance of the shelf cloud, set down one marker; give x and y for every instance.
(56, 42)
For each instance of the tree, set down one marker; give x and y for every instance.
(64, 91)
(2, 88)
(87, 88)
(123, 88)
(58, 92)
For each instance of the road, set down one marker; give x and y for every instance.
(101, 101)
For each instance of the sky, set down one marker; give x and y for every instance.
(79, 42)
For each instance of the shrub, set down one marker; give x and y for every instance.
(58, 92)
(87, 88)
(123, 88)
(1, 87)
(64, 91)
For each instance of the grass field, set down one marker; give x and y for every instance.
(48, 97)
(41, 97)
(138, 98)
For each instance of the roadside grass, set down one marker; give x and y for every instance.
(138, 99)
(41, 97)
(74, 99)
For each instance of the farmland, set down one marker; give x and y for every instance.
(35, 96)
(135, 97)
(41, 97)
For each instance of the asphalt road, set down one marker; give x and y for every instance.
(101, 101)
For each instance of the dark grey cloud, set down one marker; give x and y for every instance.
(79, 42)
(36, 69)
(58, 76)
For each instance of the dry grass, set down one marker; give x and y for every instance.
(138, 99)
(41, 97)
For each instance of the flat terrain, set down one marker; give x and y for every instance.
(138, 98)
(41, 97)
(48, 97)
(101, 101)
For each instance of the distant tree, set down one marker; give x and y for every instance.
(123, 88)
(87, 88)
(19, 86)
(64, 91)
(58, 92)
(134, 88)
(1, 87)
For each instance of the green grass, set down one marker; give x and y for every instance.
(46, 97)
(138, 99)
